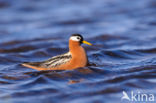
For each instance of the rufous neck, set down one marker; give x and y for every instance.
(74, 46)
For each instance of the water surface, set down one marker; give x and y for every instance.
(123, 57)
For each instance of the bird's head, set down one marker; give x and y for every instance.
(77, 38)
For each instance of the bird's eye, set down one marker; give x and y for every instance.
(78, 38)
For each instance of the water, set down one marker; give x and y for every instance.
(123, 57)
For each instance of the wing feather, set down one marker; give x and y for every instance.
(56, 60)
(52, 62)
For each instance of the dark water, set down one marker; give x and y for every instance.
(123, 57)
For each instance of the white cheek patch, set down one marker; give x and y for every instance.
(74, 38)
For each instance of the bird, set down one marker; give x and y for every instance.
(76, 57)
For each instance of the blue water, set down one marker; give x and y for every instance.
(123, 57)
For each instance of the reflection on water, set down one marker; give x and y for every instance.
(123, 57)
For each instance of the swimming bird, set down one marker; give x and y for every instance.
(75, 58)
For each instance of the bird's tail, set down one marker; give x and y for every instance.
(33, 65)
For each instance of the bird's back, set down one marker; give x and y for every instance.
(51, 63)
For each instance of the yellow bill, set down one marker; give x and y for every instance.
(85, 42)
